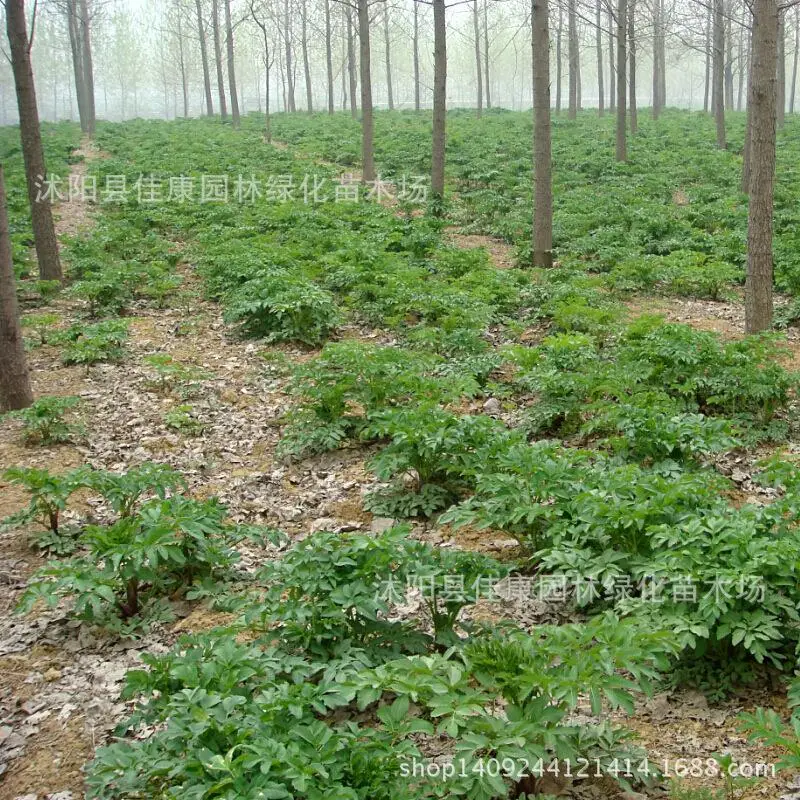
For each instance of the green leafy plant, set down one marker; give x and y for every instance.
(41, 324)
(182, 419)
(90, 344)
(44, 422)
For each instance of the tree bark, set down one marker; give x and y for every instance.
(612, 71)
(231, 65)
(622, 64)
(351, 63)
(478, 63)
(708, 61)
(728, 58)
(15, 384)
(415, 44)
(439, 99)
(794, 58)
(76, 49)
(572, 58)
(762, 101)
(367, 132)
(182, 68)
(486, 52)
(656, 59)
(748, 131)
(634, 120)
(329, 55)
(781, 75)
(88, 69)
(204, 58)
(388, 56)
(44, 233)
(599, 42)
(559, 60)
(718, 73)
(288, 63)
(542, 156)
(223, 105)
(306, 63)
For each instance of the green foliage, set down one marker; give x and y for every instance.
(42, 325)
(124, 490)
(90, 344)
(182, 419)
(44, 423)
(173, 376)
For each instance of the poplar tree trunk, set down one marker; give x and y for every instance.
(622, 65)
(231, 65)
(367, 133)
(182, 67)
(223, 105)
(718, 63)
(572, 58)
(748, 133)
(542, 158)
(781, 74)
(794, 59)
(742, 63)
(708, 61)
(559, 77)
(439, 99)
(44, 233)
(388, 57)
(204, 58)
(88, 69)
(634, 121)
(486, 52)
(329, 55)
(656, 59)
(600, 88)
(415, 44)
(762, 101)
(478, 64)
(612, 70)
(351, 63)
(306, 63)
(728, 59)
(15, 385)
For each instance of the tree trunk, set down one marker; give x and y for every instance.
(572, 58)
(367, 132)
(559, 60)
(289, 66)
(600, 88)
(486, 52)
(223, 105)
(762, 101)
(742, 62)
(88, 69)
(622, 67)
(542, 159)
(718, 73)
(439, 99)
(781, 74)
(15, 384)
(182, 67)
(44, 233)
(351, 63)
(306, 63)
(612, 71)
(478, 63)
(415, 44)
(204, 58)
(794, 58)
(656, 59)
(231, 65)
(748, 131)
(388, 57)
(74, 29)
(632, 67)
(728, 59)
(329, 55)
(708, 61)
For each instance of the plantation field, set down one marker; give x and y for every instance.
(323, 492)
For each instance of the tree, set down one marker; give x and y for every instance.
(223, 105)
(762, 103)
(231, 65)
(781, 76)
(478, 64)
(304, 50)
(261, 18)
(439, 99)
(794, 58)
(388, 56)
(44, 233)
(415, 44)
(15, 385)
(204, 58)
(78, 27)
(622, 134)
(542, 156)
(718, 94)
(328, 55)
(572, 56)
(599, 44)
(367, 125)
(486, 52)
(351, 63)
(634, 122)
